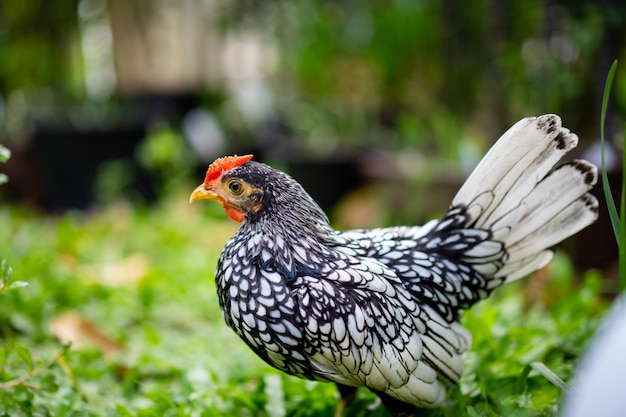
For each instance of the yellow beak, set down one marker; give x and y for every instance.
(201, 193)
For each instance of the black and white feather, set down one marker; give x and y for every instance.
(379, 308)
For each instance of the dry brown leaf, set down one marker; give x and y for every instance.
(70, 327)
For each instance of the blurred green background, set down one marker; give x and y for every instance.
(100, 99)
(112, 110)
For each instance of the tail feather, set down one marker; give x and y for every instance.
(515, 270)
(523, 200)
(513, 166)
(561, 187)
(501, 226)
(569, 221)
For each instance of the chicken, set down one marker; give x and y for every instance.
(380, 308)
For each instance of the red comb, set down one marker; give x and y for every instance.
(221, 165)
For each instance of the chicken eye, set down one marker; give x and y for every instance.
(235, 187)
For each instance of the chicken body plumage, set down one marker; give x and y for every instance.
(379, 308)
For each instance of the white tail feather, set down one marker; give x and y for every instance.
(517, 193)
(561, 187)
(523, 267)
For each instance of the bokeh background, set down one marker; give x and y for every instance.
(101, 100)
(112, 109)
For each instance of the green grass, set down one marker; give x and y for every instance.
(144, 280)
(618, 220)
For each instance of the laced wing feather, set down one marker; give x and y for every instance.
(444, 267)
(377, 335)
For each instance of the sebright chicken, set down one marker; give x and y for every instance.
(379, 308)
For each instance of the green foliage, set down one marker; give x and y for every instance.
(143, 280)
(516, 344)
(354, 73)
(163, 153)
(36, 39)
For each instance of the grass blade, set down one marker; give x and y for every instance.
(615, 220)
(621, 239)
(549, 375)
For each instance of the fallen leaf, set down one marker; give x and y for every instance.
(73, 329)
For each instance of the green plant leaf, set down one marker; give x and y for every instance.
(24, 354)
(471, 411)
(5, 275)
(5, 153)
(5, 270)
(4, 353)
(615, 222)
(15, 285)
(123, 411)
